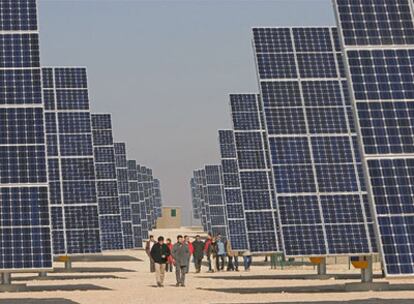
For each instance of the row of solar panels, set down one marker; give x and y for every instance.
(65, 187)
(321, 162)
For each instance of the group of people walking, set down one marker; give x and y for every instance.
(164, 255)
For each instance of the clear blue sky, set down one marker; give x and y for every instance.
(164, 69)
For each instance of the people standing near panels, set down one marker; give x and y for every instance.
(123, 194)
(25, 226)
(320, 192)
(257, 194)
(73, 195)
(215, 199)
(134, 196)
(377, 39)
(237, 233)
(106, 183)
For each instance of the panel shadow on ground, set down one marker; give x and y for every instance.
(37, 301)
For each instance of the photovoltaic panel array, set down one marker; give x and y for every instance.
(143, 201)
(24, 212)
(215, 200)
(134, 197)
(123, 194)
(320, 191)
(73, 195)
(149, 188)
(199, 177)
(255, 173)
(107, 183)
(195, 198)
(378, 43)
(158, 198)
(236, 224)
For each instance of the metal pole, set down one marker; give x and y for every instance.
(322, 267)
(367, 273)
(6, 278)
(68, 264)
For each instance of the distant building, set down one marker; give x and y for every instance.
(171, 218)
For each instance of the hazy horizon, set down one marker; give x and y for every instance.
(164, 70)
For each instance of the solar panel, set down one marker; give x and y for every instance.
(149, 179)
(25, 227)
(215, 203)
(377, 39)
(195, 198)
(158, 197)
(260, 212)
(73, 194)
(107, 183)
(123, 194)
(134, 198)
(236, 224)
(198, 177)
(320, 192)
(143, 201)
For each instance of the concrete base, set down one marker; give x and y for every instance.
(13, 288)
(379, 286)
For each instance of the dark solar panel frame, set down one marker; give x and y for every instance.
(307, 114)
(195, 198)
(144, 201)
(215, 200)
(73, 192)
(236, 223)
(25, 235)
(258, 197)
(158, 198)
(377, 41)
(199, 178)
(135, 202)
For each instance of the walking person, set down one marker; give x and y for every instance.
(148, 247)
(221, 253)
(198, 252)
(181, 255)
(170, 260)
(233, 260)
(159, 254)
(247, 260)
(214, 255)
(208, 251)
(190, 247)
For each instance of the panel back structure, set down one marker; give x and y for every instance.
(250, 141)
(215, 200)
(377, 38)
(141, 171)
(73, 195)
(25, 227)
(123, 194)
(317, 172)
(236, 223)
(134, 197)
(106, 183)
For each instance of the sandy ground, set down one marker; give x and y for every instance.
(121, 279)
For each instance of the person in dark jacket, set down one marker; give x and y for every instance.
(198, 252)
(159, 254)
(181, 254)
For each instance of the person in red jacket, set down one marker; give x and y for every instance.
(191, 248)
(170, 260)
(207, 251)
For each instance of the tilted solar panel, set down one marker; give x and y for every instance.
(236, 224)
(216, 212)
(317, 172)
(72, 180)
(25, 239)
(199, 178)
(158, 197)
(107, 183)
(143, 200)
(195, 198)
(378, 44)
(257, 196)
(123, 194)
(134, 197)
